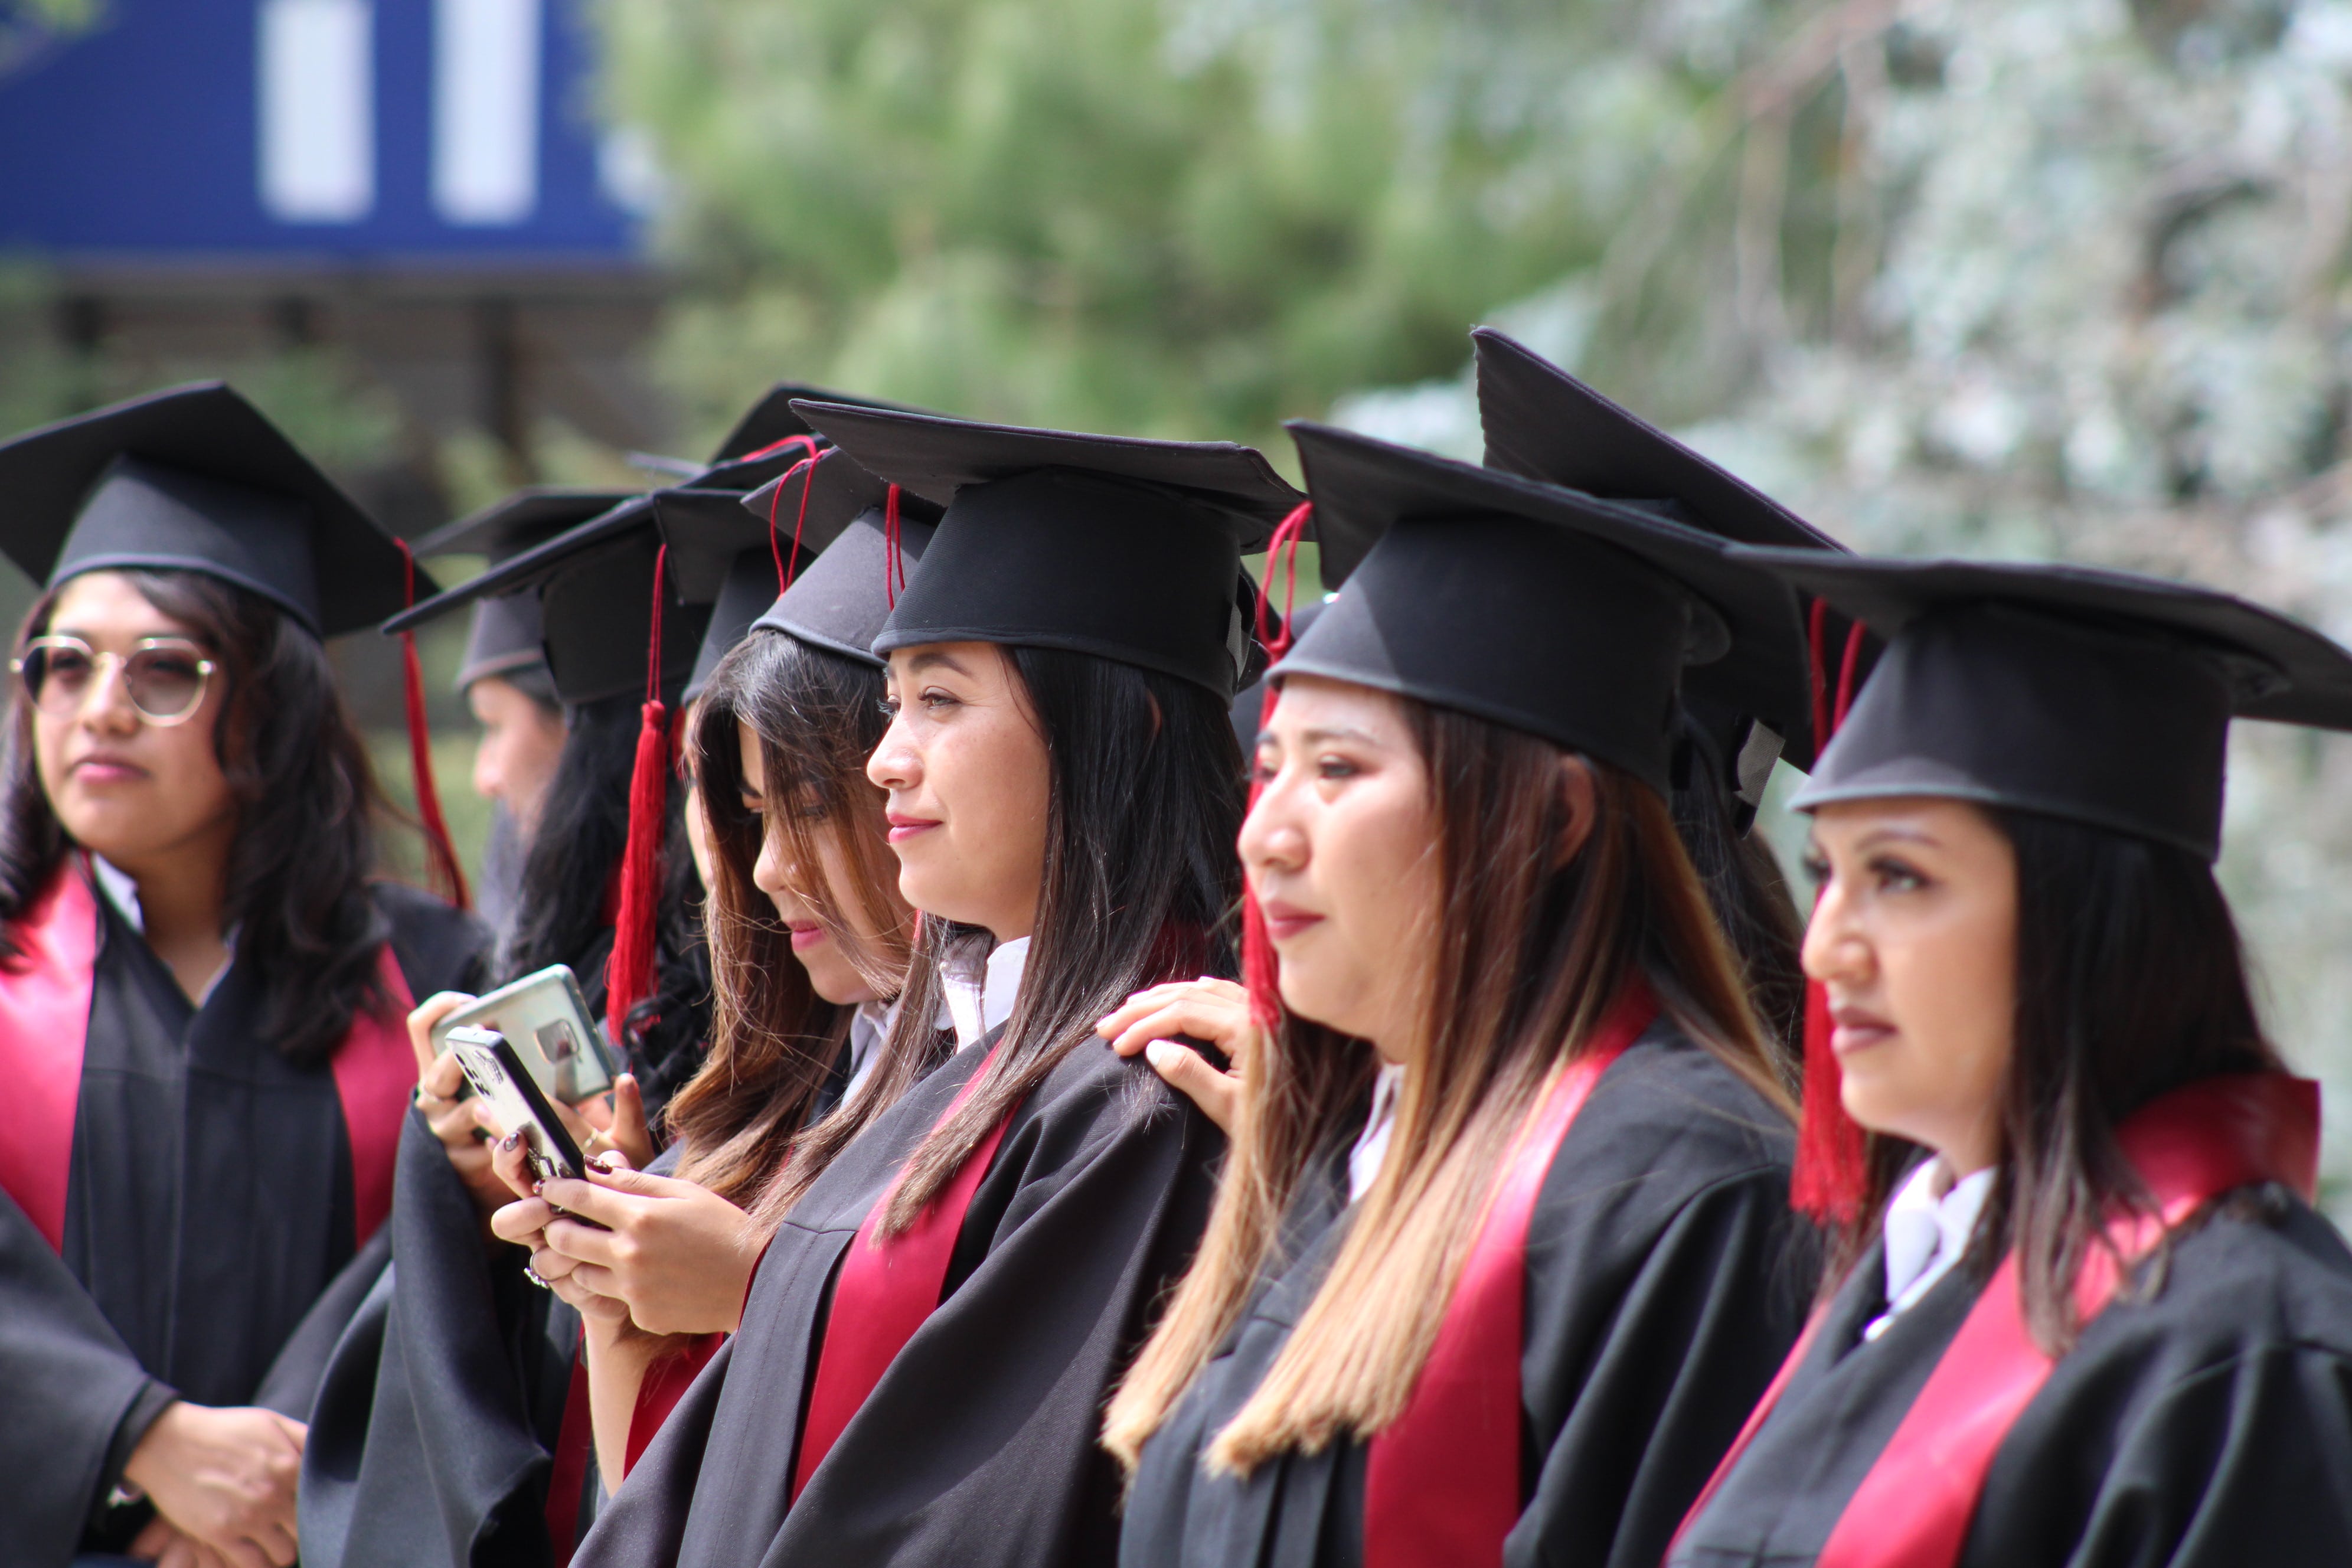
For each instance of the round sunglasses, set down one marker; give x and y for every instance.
(165, 677)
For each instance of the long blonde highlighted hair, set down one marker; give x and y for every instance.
(1531, 953)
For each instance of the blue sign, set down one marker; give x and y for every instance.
(437, 131)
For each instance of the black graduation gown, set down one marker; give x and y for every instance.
(209, 1249)
(978, 1446)
(2208, 1428)
(1666, 1280)
(434, 1439)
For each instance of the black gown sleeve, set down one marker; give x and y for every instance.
(432, 1436)
(70, 1383)
(978, 1446)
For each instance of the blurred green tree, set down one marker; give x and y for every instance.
(1179, 217)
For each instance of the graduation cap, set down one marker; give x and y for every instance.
(595, 592)
(1116, 546)
(2103, 698)
(857, 540)
(1543, 423)
(504, 636)
(1539, 607)
(196, 479)
(765, 443)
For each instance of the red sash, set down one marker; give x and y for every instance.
(575, 1439)
(884, 1290)
(1913, 1508)
(1441, 1482)
(666, 1382)
(44, 1029)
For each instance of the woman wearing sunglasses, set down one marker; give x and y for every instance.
(203, 1071)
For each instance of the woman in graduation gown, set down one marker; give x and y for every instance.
(1503, 1253)
(460, 1380)
(810, 942)
(927, 1343)
(2087, 1316)
(199, 1009)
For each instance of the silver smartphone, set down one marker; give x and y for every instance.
(546, 1020)
(496, 1070)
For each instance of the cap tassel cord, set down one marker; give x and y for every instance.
(894, 570)
(439, 852)
(1830, 1169)
(1261, 969)
(807, 467)
(805, 443)
(629, 973)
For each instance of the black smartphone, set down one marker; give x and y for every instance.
(517, 1102)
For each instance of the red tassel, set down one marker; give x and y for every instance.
(1261, 969)
(807, 467)
(1831, 1169)
(439, 853)
(629, 973)
(894, 570)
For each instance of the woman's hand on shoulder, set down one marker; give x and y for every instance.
(681, 1256)
(1214, 1011)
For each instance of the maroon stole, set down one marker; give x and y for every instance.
(884, 1290)
(44, 1028)
(1441, 1482)
(666, 1382)
(2190, 1146)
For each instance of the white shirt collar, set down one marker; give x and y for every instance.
(869, 1028)
(1372, 1143)
(1926, 1230)
(980, 991)
(120, 890)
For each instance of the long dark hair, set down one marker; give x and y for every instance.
(1749, 894)
(1529, 954)
(307, 806)
(564, 907)
(774, 1041)
(2131, 982)
(1145, 802)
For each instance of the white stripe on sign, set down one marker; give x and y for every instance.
(485, 70)
(316, 105)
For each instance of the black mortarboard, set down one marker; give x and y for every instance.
(2101, 697)
(1123, 548)
(867, 537)
(195, 479)
(504, 636)
(1523, 603)
(737, 551)
(594, 584)
(1543, 423)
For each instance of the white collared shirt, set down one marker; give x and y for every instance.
(120, 890)
(869, 1028)
(1372, 1143)
(1926, 1230)
(980, 991)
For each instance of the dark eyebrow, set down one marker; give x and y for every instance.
(1337, 732)
(917, 663)
(1897, 833)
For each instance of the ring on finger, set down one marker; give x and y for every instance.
(533, 1276)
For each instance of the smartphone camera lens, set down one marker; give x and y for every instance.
(557, 1042)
